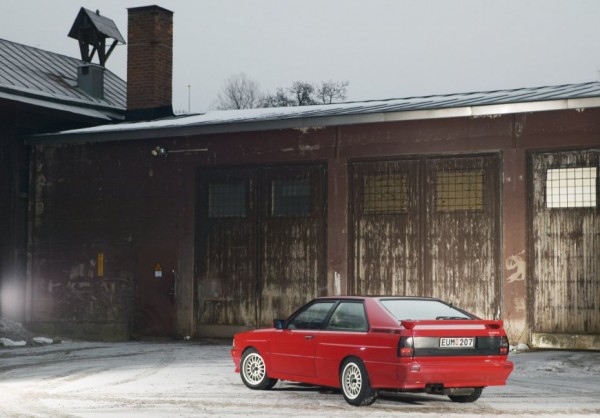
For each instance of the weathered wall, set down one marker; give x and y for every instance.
(16, 121)
(117, 199)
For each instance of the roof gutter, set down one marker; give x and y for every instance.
(132, 132)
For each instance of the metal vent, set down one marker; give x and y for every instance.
(90, 79)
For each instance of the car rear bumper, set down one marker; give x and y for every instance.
(417, 375)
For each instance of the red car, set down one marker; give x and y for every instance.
(366, 344)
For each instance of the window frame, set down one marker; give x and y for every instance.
(390, 204)
(243, 184)
(275, 193)
(290, 321)
(466, 195)
(340, 304)
(571, 194)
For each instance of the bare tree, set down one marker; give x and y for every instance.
(303, 93)
(238, 92)
(332, 91)
(241, 92)
(279, 99)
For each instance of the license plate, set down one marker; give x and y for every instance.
(457, 342)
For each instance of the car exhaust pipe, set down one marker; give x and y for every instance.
(439, 389)
(435, 389)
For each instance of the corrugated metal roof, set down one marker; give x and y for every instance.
(569, 96)
(35, 73)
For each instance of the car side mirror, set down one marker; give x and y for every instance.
(278, 324)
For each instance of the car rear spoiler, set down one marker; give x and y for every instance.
(460, 323)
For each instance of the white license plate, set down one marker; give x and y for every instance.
(457, 342)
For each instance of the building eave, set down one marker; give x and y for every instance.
(95, 113)
(179, 128)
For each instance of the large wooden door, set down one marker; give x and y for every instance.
(461, 250)
(387, 223)
(260, 242)
(292, 243)
(428, 227)
(564, 288)
(227, 246)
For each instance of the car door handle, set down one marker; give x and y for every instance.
(309, 337)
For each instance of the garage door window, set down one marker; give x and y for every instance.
(290, 197)
(459, 190)
(385, 194)
(571, 187)
(227, 200)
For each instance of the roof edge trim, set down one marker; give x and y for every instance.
(114, 133)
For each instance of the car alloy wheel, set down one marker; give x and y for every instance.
(254, 369)
(254, 372)
(355, 383)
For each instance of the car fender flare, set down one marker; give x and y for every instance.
(263, 349)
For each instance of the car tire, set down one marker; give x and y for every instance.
(467, 398)
(254, 371)
(355, 383)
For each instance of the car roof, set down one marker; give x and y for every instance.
(371, 297)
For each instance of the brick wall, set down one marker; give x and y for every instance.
(149, 59)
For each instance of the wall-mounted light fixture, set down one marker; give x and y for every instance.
(163, 152)
(159, 152)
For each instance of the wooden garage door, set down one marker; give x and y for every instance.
(565, 286)
(261, 242)
(428, 227)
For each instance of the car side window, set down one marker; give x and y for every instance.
(348, 316)
(312, 317)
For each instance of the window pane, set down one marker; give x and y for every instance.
(421, 309)
(312, 317)
(227, 200)
(290, 197)
(459, 191)
(385, 193)
(571, 187)
(348, 316)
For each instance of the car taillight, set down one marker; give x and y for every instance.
(504, 345)
(405, 347)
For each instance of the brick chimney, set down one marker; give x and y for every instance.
(149, 63)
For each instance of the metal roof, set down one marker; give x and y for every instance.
(476, 104)
(103, 24)
(50, 79)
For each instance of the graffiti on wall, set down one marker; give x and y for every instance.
(517, 263)
(81, 295)
(94, 300)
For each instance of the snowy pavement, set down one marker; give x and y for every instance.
(196, 379)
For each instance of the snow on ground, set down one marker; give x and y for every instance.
(13, 334)
(196, 379)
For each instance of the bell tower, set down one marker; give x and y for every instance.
(92, 32)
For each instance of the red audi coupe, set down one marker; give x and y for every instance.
(366, 344)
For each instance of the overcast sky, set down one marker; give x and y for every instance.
(383, 48)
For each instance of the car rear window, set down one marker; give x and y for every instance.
(415, 309)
